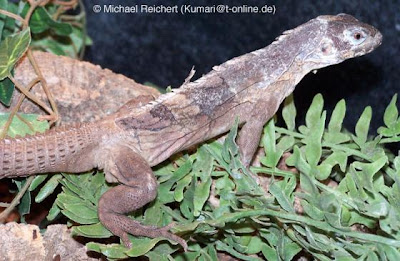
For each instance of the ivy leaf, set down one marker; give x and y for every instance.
(6, 91)
(41, 21)
(11, 50)
(7, 24)
(19, 127)
(3, 6)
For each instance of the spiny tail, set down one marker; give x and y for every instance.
(42, 153)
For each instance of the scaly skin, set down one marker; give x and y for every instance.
(144, 133)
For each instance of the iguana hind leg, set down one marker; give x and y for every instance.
(138, 188)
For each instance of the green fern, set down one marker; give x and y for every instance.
(219, 204)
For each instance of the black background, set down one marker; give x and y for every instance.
(162, 48)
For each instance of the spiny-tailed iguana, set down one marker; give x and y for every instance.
(144, 133)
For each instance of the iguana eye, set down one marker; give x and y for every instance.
(356, 37)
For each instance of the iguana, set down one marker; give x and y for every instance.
(145, 132)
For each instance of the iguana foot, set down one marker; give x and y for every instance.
(113, 219)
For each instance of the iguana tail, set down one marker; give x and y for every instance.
(58, 150)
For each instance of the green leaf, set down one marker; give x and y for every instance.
(391, 120)
(201, 194)
(229, 249)
(289, 113)
(313, 150)
(112, 251)
(391, 115)
(180, 186)
(24, 206)
(362, 127)
(79, 212)
(325, 168)
(3, 6)
(269, 253)
(20, 128)
(93, 231)
(82, 210)
(336, 121)
(65, 198)
(6, 91)
(41, 21)
(11, 50)
(53, 212)
(312, 211)
(230, 148)
(153, 214)
(51, 45)
(334, 134)
(282, 199)
(269, 143)
(297, 160)
(37, 181)
(9, 23)
(313, 114)
(186, 207)
(48, 188)
(203, 164)
(142, 246)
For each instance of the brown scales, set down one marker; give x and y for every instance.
(126, 144)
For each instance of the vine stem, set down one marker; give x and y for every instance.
(53, 104)
(30, 95)
(12, 15)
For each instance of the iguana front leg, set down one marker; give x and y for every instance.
(248, 140)
(139, 187)
(250, 133)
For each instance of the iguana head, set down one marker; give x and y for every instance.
(337, 38)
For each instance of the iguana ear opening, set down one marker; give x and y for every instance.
(327, 48)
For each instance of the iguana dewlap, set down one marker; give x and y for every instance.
(144, 133)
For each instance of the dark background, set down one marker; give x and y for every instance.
(162, 48)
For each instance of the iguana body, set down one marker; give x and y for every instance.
(144, 133)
